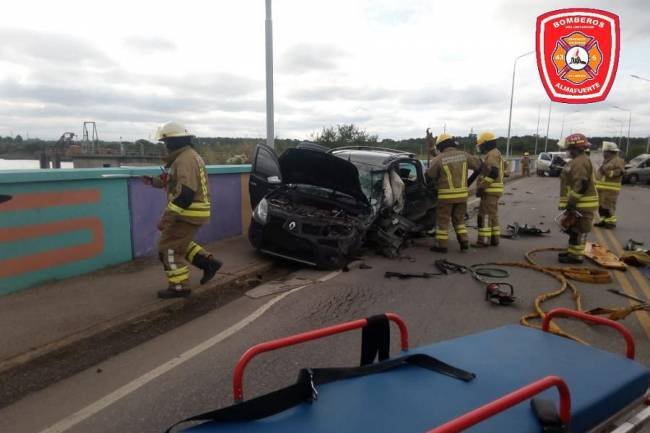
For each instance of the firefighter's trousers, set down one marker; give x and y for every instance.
(489, 230)
(176, 249)
(454, 212)
(607, 206)
(578, 233)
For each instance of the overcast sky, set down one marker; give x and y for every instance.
(393, 67)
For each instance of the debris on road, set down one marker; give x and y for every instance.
(603, 257)
(516, 230)
(407, 275)
(633, 245)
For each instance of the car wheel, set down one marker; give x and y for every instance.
(633, 179)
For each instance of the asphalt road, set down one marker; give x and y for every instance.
(188, 370)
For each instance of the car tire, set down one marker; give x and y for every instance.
(633, 179)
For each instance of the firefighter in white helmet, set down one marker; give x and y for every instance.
(578, 196)
(188, 207)
(608, 183)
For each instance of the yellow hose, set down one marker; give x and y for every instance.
(584, 274)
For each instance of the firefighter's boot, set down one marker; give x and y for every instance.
(208, 264)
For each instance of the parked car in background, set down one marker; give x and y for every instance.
(638, 169)
(551, 163)
(319, 207)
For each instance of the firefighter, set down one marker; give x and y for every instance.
(525, 165)
(188, 207)
(489, 189)
(578, 196)
(608, 184)
(448, 172)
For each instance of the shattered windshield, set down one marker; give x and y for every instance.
(371, 182)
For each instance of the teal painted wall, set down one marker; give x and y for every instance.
(111, 210)
(64, 223)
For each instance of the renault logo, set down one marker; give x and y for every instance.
(292, 225)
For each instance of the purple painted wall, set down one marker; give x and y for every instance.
(148, 204)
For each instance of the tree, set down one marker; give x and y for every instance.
(345, 135)
(18, 139)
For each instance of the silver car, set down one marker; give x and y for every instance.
(638, 169)
(551, 163)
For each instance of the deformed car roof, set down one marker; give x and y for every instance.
(368, 155)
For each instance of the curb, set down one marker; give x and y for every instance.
(155, 308)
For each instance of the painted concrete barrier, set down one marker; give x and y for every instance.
(63, 223)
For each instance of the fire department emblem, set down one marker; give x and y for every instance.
(577, 54)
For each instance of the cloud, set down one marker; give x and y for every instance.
(24, 46)
(149, 44)
(304, 58)
(335, 92)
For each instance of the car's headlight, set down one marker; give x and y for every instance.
(261, 212)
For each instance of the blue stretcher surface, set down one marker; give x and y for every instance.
(411, 399)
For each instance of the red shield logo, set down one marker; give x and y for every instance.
(577, 54)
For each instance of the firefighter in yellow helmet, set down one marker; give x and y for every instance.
(608, 184)
(188, 207)
(578, 196)
(489, 188)
(448, 173)
(525, 165)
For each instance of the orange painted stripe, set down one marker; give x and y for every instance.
(38, 200)
(61, 256)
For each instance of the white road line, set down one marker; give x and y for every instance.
(101, 404)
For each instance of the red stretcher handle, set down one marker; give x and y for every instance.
(238, 375)
(565, 312)
(499, 405)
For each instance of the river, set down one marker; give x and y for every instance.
(22, 164)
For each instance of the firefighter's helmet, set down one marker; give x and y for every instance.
(609, 146)
(485, 136)
(172, 129)
(576, 141)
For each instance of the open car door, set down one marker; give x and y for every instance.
(265, 174)
(418, 199)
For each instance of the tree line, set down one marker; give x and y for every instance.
(221, 150)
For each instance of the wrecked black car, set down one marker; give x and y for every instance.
(319, 207)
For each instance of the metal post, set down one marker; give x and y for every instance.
(647, 146)
(629, 125)
(270, 133)
(548, 125)
(562, 130)
(512, 95)
(539, 113)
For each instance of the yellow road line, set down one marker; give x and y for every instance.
(642, 316)
(640, 279)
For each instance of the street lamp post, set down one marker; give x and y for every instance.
(512, 94)
(647, 146)
(548, 125)
(539, 113)
(629, 125)
(270, 133)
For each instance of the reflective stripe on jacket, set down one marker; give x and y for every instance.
(188, 169)
(448, 172)
(610, 175)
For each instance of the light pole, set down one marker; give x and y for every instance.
(647, 146)
(548, 125)
(563, 118)
(619, 130)
(629, 125)
(512, 94)
(270, 133)
(539, 113)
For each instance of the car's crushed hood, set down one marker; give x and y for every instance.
(312, 167)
